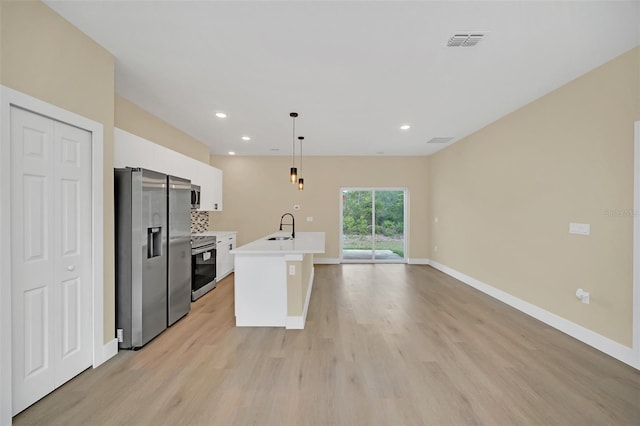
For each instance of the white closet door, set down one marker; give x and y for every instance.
(51, 261)
(72, 245)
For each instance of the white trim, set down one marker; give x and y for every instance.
(5, 272)
(603, 344)
(293, 257)
(326, 261)
(636, 245)
(8, 98)
(109, 350)
(298, 322)
(308, 298)
(418, 261)
(294, 323)
(97, 201)
(341, 224)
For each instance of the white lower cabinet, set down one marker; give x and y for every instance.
(224, 259)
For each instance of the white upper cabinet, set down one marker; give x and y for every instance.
(216, 189)
(130, 150)
(210, 181)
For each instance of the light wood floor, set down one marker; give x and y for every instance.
(383, 344)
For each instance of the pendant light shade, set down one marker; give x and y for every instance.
(293, 172)
(300, 179)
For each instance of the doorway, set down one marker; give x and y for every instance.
(373, 225)
(51, 265)
(99, 349)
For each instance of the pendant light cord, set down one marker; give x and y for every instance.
(293, 143)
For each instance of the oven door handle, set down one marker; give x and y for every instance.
(201, 250)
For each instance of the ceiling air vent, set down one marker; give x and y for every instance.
(439, 140)
(465, 40)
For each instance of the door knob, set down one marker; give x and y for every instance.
(70, 268)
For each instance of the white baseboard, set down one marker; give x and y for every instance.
(604, 344)
(308, 298)
(326, 261)
(295, 323)
(417, 261)
(109, 350)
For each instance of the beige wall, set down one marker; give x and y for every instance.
(133, 119)
(298, 284)
(505, 195)
(294, 289)
(256, 193)
(44, 56)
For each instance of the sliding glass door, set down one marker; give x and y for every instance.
(373, 225)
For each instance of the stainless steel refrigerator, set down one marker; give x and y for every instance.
(145, 214)
(179, 259)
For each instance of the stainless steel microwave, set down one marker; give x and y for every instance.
(195, 197)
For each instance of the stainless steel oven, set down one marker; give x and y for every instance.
(203, 265)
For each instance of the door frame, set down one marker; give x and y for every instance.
(405, 218)
(101, 351)
(635, 327)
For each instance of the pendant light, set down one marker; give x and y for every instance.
(300, 179)
(293, 175)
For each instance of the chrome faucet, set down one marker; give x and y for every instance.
(292, 224)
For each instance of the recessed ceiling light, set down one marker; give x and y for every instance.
(405, 127)
(274, 149)
(221, 115)
(232, 153)
(380, 152)
(246, 138)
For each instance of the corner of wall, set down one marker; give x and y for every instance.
(140, 122)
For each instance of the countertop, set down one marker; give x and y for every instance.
(304, 242)
(215, 233)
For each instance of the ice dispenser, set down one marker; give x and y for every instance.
(154, 242)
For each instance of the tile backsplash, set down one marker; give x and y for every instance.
(199, 222)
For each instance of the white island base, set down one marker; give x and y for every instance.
(273, 280)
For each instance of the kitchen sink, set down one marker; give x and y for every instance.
(278, 238)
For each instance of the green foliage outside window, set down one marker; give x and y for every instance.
(389, 220)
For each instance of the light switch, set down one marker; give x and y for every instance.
(580, 228)
(292, 269)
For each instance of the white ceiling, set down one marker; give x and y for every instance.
(354, 70)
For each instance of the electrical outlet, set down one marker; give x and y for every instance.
(584, 296)
(309, 218)
(119, 335)
(292, 269)
(579, 228)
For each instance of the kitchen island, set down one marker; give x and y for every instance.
(273, 279)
